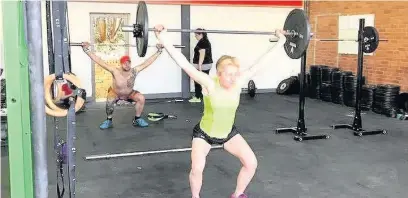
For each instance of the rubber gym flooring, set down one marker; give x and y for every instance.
(343, 166)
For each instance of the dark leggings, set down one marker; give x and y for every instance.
(198, 89)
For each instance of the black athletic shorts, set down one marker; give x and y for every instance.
(199, 133)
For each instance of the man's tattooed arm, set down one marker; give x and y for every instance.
(148, 62)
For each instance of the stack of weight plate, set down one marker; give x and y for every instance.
(326, 86)
(326, 72)
(346, 73)
(3, 94)
(367, 97)
(315, 81)
(385, 99)
(325, 92)
(349, 90)
(337, 87)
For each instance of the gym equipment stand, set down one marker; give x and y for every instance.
(357, 122)
(300, 130)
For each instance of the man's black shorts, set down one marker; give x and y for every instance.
(199, 133)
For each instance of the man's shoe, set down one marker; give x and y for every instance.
(140, 122)
(106, 124)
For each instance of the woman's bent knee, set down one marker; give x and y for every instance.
(250, 162)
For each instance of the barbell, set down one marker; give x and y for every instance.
(125, 45)
(296, 26)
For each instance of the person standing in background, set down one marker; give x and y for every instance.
(202, 60)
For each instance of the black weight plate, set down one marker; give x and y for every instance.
(297, 45)
(142, 21)
(251, 88)
(371, 39)
(284, 86)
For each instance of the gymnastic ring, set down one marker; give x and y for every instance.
(53, 109)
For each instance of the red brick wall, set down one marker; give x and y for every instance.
(389, 64)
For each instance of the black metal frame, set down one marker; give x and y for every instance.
(60, 38)
(357, 122)
(51, 67)
(60, 63)
(71, 150)
(300, 130)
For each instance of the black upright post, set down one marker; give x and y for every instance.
(357, 122)
(301, 119)
(300, 129)
(357, 114)
(185, 40)
(50, 43)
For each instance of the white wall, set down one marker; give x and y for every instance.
(164, 76)
(247, 48)
(1, 40)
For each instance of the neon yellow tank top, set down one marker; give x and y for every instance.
(219, 112)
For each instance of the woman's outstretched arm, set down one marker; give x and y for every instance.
(198, 76)
(250, 72)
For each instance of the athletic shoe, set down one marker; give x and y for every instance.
(194, 99)
(106, 124)
(140, 122)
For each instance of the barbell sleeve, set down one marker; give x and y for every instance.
(127, 28)
(127, 45)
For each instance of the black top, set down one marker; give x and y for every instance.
(203, 44)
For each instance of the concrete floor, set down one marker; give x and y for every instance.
(344, 166)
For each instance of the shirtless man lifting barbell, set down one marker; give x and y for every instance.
(122, 85)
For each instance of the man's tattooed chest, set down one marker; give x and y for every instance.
(131, 79)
